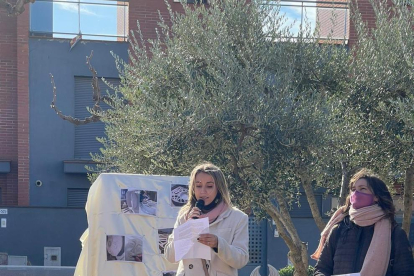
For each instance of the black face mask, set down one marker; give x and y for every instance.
(213, 204)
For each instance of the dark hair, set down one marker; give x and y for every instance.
(379, 189)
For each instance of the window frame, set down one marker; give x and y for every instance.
(85, 36)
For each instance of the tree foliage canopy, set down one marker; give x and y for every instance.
(227, 84)
(230, 84)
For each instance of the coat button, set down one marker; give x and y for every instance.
(190, 266)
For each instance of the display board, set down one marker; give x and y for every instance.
(129, 220)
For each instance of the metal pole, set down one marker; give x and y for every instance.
(264, 271)
(79, 18)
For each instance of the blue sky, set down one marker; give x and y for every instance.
(293, 13)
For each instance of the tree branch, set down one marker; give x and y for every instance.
(96, 97)
(14, 10)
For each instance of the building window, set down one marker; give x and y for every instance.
(85, 135)
(93, 19)
(330, 18)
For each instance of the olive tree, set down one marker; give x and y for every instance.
(382, 94)
(228, 83)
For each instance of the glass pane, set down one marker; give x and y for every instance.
(41, 17)
(66, 18)
(103, 20)
(293, 17)
(309, 17)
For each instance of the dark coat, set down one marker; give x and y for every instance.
(346, 247)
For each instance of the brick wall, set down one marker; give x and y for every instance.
(146, 12)
(23, 107)
(8, 106)
(368, 17)
(14, 102)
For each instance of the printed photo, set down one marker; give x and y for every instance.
(139, 202)
(163, 238)
(133, 248)
(179, 195)
(115, 248)
(169, 273)
(124, 248)
(130, 201)
(148, 203)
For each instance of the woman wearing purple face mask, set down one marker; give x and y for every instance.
(363, 236)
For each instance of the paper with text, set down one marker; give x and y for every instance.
(186, 245)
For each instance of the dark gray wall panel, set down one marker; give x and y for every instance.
(29, 230)
(52, 140)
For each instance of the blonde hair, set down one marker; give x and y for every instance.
(219, 180)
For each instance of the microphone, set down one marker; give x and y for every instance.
(200, 205)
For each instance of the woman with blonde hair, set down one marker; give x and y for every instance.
(363, 236)
(228, 235)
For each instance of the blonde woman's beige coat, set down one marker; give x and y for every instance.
(232, 231)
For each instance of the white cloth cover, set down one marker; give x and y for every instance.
(105, 217)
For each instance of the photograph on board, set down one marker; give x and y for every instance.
(115, 248)
(130, 201)
(148, 203)
(124, 248)
(133, 248)
(163, 238)
(141, 202)
(178, 195)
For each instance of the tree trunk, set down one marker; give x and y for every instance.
(298, 253)
(296, 257)
(344, 183)
(408, 198)
(307, 185)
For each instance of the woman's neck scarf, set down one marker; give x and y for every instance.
(214, 213)
(378, 255)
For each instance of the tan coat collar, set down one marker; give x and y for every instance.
(223, 216)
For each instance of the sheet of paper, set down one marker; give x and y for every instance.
(186, 245)
(352, 274)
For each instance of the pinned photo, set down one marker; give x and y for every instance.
(148, 203)
(124, 248)
(139, 202)
(129, 201)
(115, 248)
(133, 248)
(163, 238)
(179, 195)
